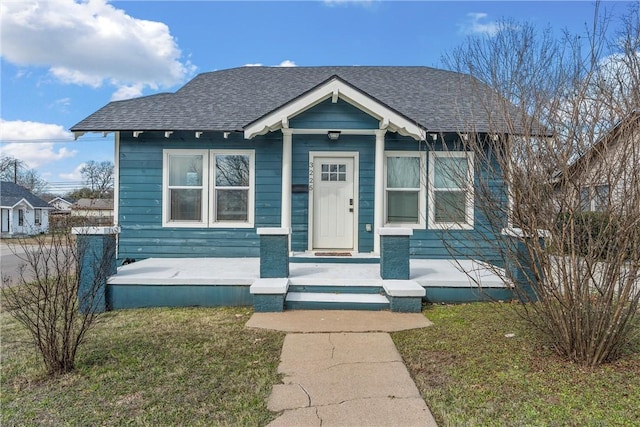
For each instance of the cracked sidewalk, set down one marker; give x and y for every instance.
(345, 379)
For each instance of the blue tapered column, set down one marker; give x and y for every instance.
(394, 253)
(96, 249)
(274, 252)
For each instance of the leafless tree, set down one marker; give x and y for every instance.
(98, 176)
(566, 140)
(15, 170)
(47, 298)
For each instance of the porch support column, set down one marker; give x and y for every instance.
(378, 215)
(285, 209)
(96, 250)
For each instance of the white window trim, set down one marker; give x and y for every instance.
(469, 207)
(251, 202)
(422, 192)
(208, 187)
(166, 207)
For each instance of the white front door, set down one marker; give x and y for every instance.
(334, 203)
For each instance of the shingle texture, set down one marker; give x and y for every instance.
(11, 193)
(437, 100)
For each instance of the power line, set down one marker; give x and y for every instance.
(50, 141)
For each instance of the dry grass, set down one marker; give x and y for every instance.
(472, 371)
(196, 366)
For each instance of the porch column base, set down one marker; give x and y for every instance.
(274, 252)
(394, 253)
(269, 295)
(96, 248)
(405, 296)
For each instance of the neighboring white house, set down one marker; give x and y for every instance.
(610, 170)
(22, 213)
(61, 205)
(97, 211)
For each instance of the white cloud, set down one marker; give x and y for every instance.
(127, 92)
(472, 25)
(285, 63)
(76, 175)
(91, 43)
(39, 150)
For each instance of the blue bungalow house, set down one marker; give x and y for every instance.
(336, 159)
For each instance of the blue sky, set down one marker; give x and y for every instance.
(63, 59)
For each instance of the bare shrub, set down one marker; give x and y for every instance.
(570, 153)
(47, 298)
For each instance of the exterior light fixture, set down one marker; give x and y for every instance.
(333, 135)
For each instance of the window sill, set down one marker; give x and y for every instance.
(405, 225)
(450, 226)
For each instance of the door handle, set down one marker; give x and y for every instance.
(350, 202)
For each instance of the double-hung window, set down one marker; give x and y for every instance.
(185, 197)
(37, 216)
(451, 189)
(594, 198)
(405, 188)
(208, 188)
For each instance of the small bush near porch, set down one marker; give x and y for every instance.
(480, 364)
(147, 367)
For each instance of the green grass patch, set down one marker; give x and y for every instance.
(472, 372)
(193, 366)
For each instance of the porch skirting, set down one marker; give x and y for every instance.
(183, 282)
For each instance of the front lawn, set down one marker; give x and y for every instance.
(196, 366)
(201, 366)
(480, 364)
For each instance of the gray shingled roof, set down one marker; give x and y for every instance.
(11, 193)
(438, 100)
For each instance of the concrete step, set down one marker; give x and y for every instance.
(335, 301)
(323, 288)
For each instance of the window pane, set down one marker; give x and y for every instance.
(403, 207)
(403, 172)
(450, 206)
(450, 172)
(232, 205)
(232, 170)
(185, 170)
(186, 205)
(601, 197)
(585, 200)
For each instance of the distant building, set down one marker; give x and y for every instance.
(61, 205)
(96, 211)
(22, 212)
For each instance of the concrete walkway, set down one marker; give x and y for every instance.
(338, 372)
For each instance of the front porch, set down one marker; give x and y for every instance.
(325, 283)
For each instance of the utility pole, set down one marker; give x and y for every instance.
(15, 171)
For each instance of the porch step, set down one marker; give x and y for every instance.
(336, 289)
(335, 301)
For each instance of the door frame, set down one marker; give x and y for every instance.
(356, 192)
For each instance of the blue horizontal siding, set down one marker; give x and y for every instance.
(327, 115)
(140, 176)
(444, 244)
(140, 197)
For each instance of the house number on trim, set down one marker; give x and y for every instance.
(310, 176)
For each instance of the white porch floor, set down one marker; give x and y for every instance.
(244, 271)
